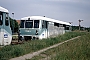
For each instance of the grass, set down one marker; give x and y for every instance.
(12, 51)
(78, 49)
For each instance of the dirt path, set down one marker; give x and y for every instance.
(30, 55)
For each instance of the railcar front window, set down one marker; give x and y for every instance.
(22, 24)
(1, 18)
(29, 24)
(36, 23)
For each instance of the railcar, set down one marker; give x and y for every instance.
(39, 27)
(5, 30)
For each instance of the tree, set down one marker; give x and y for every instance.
(88, 29)
(14, 24)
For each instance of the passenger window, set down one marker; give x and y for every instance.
(67, 28)
(6, 20)
(1, 18)
(36, 23)
(56, 24)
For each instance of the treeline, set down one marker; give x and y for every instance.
(81, 28)
(14, 24)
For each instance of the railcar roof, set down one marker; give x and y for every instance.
(44, 18)
(3, 9)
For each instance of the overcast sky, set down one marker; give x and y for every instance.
(64, 10)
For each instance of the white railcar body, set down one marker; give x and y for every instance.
(5, 30)
(46, 27)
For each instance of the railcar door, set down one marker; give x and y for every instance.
(6, 29)
(45, 29)
(1, 29)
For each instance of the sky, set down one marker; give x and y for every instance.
(63, 10)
